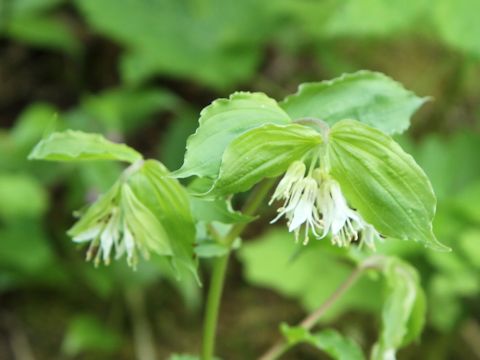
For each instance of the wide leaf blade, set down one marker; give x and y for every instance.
(266, 151)
(403, 314)
(79, 146)
(370, 97)
(382, 182)
(329, 341)
(220, 123)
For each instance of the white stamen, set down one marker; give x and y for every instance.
(295, 171)
(316, 202)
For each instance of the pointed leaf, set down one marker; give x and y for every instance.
(366, 96)
(403, 314)
(383, 182)
(95, 213)
(329, 341)
(168, 201)
(266, 151)
(216, 210)
(220, 123)
(78, 146)
(211, 209)
(144, 225)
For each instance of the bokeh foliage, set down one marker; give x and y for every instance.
(141, 71)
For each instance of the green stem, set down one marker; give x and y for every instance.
(220, 268)
(142, 333)
(280, 347)
(213, 305)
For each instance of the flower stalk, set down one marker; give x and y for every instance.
(280, 347)
(220, 267)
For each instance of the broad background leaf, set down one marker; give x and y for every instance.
(457, 24)
(329, 341)
(86, 333)
(369, 97)
(125, 110)
(374, 18)
(212, 41)
(21, 196)
(275, 262)
(45, 32)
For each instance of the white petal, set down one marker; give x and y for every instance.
(301, 214)
(89, 234)
(295, 173)
(106, 241)
(129, 241)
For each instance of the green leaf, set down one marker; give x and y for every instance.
(366, 96)
(90, 217)
(23, 238)
(438, 156)
(211, 248)
(187, 357)
(467, 200)
(416, 321)
(30, 125)
(21, 196)
(383, 182)
(212, 42)
(274, 261)
(220, 210)
(355, 18)
(403, 314)
(220, 123)
(172, 145)
(469, 242)
(435, 158)
(207, 242)
(24, 7)
(145, 225)
(155, 210)
(44, 31)
(457, 23)
(329, 341)
(169, 202)
(78, 146)
(86, 333)
(266, 151)
(209, 209)
(127, 109)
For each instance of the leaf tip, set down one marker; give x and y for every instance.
(433, 244)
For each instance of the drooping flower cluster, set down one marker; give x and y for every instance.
(105, 227)
(314, 202)
(119, 223)
(111, 233)
(144, 212)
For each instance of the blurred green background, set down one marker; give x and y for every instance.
(140, 71)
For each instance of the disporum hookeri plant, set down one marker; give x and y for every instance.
(341, 178)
